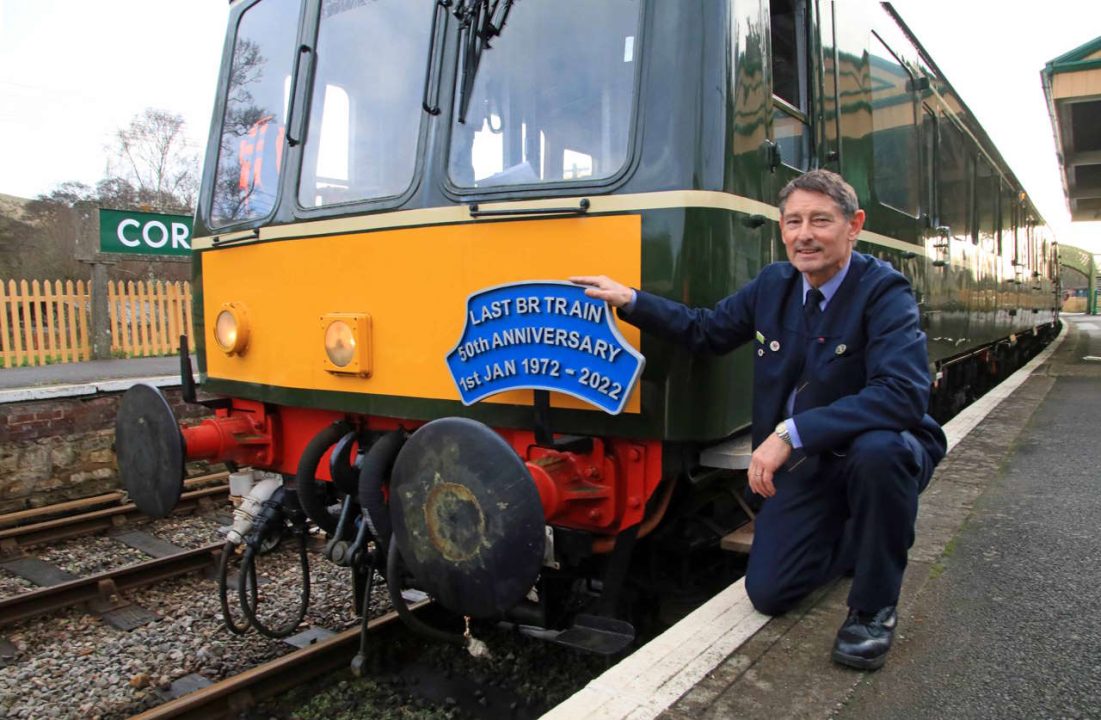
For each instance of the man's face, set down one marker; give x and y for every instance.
(817, 237)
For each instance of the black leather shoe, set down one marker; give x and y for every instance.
(864, 639)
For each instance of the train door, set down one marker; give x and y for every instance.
(795, 117)
(794, 86)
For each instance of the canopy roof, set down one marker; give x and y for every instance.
(1072, 86)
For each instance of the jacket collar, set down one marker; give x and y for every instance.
(832, 318)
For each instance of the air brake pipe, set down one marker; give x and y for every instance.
(309, 492)
(377, 464)
(414, 623)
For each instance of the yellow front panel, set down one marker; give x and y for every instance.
(413, 282)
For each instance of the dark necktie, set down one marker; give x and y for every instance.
(811, 308)
(811, 313)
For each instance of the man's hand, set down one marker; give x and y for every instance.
(769, 457)
(604, 288)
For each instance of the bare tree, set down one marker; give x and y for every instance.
(152, 168)
(153, 156)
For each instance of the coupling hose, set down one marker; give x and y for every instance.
(305, 480)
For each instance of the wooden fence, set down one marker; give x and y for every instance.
(44, 322)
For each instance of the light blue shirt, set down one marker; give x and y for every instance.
(828, 290)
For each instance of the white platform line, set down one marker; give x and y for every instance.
(651, 679)
(958, 427)
(648, 681)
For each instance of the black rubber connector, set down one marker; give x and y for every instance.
(309, 490)
(377, 464)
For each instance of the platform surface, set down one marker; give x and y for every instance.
(88, 371)
(24, 384)
(1000, 615)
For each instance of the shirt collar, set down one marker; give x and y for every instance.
(830, 286)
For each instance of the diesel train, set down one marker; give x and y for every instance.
(392, 195)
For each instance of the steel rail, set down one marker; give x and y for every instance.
(13, 539)
(241, 692)
(103, 590)
(64, 508)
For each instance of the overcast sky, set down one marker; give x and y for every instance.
(72, 72)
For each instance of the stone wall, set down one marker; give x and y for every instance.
(63, 448)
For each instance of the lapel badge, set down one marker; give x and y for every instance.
(840, 349)
(760, 352)
(760, 337)
(774, 346)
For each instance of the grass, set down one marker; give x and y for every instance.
(939, 566)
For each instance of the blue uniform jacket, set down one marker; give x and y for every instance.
(866, 365)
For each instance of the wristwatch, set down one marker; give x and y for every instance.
(782, 433)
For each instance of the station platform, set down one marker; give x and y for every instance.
(86, 378)
(1000, 616)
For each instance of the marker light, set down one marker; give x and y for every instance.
(340, 343)
(231, 329)
(347, 340)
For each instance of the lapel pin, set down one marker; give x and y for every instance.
(760, 352)
(760, 337)
(774, 346)
(840, 349)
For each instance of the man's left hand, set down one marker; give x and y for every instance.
(766, 460)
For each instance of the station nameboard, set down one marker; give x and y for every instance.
(138, 233)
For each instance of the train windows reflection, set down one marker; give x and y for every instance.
(253, 128)
(894, 140)
(793, 137)
(366, 108)
(552, 97)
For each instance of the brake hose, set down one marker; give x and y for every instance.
(248, 587)
(223, 590)
(414, 623)
(272, 517)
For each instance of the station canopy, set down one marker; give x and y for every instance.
(1072, 86)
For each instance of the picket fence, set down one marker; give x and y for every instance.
(43, 322)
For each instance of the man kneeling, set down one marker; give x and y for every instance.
(843, 444)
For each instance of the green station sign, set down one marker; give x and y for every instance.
(138, 233)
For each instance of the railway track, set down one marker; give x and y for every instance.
(103, 592)
(243, 691)
(100, 592)
(25, 529)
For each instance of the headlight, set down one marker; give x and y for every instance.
(340, 343)
(231, 329)
(347, 342)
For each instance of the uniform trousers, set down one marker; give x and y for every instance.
(837, 513)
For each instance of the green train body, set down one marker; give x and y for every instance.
(706, 120)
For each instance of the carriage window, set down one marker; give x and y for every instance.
(1005, 223)
(894, 137)
(928, 163)
(366, 109)
(953, 180)
(987, 185)
(551, 98)
(253, 128)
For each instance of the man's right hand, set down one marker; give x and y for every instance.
(604, 288)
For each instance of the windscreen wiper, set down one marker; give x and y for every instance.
(479, 22)
(431, 96)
